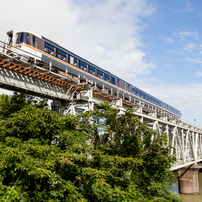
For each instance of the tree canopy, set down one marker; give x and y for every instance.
(99, 155)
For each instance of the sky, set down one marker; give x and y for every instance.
(155, 45)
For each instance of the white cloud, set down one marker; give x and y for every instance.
(197, 60)
(185, 34)
(168, 40)
(103, 32)
(189, 47)
(186, 98)
(188, 6)
(199, 74)
(107, 33)
(177, 52)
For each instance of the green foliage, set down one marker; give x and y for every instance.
(97, 156)
(14, 103)
(125, 150)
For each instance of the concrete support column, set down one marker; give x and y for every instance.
(142, 119)
(200, 144)
(117, 102)
(71, 108)
(167, 132)
(188, 180)
(63, 107)
(55, 106)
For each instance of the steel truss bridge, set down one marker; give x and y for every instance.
(70, 93)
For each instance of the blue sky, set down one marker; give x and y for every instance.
(176, 37)
(154, 44)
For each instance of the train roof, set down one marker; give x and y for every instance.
(30, 32)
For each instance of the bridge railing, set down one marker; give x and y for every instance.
(192, 124)
(9, 49)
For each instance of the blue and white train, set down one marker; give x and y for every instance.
(47, 51)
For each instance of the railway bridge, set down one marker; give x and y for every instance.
(70, 92)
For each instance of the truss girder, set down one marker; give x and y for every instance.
(186, 144)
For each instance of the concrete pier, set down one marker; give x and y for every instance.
(188, 179)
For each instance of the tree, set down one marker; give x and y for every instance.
(140, 164)
(45, 156)
(32, 157)
(14, 103)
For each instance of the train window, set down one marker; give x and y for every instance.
(100, 74)
(107, 78)
(74, 61)
(113, 80)
(62, 55)
(133, 90)
(83, 66)
(137, 92)
(22, 38)
(48, 48)
(26, 38)
(33, 40)
(141, 95)
(92, 70)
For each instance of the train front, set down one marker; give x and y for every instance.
(23, 44)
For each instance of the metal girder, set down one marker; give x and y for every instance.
(13, 80)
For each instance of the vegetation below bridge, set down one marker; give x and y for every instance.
(45, 156)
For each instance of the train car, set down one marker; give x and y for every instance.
(45, 50)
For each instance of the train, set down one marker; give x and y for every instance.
(47, 51)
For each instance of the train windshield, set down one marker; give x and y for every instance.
(22, 37)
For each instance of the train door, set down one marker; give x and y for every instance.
(8, 42)
(9, 38)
